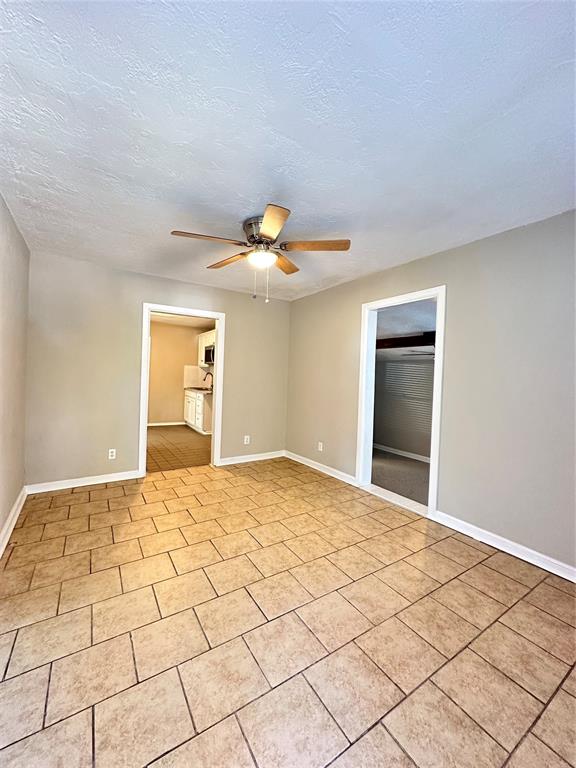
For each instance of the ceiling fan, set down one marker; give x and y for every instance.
(261, 235)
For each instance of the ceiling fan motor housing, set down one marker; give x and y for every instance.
(251, 229)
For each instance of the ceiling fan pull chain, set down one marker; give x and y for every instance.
(267, 301)
(254, 291)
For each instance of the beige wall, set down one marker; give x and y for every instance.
(83, 388)
(171, 348)
(14, 262)
(507, 429)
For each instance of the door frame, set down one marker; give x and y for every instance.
(218, 391)
(366, 396)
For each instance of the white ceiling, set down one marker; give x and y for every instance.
(202, 323)
(408, 127)
(405, 319)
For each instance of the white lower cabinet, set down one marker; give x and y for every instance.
(198, 411)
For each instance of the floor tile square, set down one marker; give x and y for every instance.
(232, 574)
(139, 724)
(86, 677)
(60, 528)
(309, 546)
(86, 590)
(228, 616)
(37, 552)
(107, 519)
(198, 532)
(15, 580)
(341, 536)
(557, 726)
(22, 705)
(273, 559)
(431, 528)
(115, 554)
(271, 533)
(147, 571)
(235, 544)
(168, 642)
(548, 598)
(411, 538)
(50, 639)
(68, 743)
(126, 531)
(435, 565)
(390, 517)
(354, 562)
(501, 707)
(119, 614)
(162, 542)
(440, 626)
(194, 556)
(459, 552)
(279, 594)
(79, 542)
(544, 630)
(238, 521)
(494, 584)
(183, 592)
(516, 569)
(290, 728)
(474, 606)
(221, 681)
(376, 600)
(174, 520)
(437, 733)
(376, 749)
(367, 526)
(407, 580)
(6, 643)
(320, 576)
(353, 689)
(333, 620)
(144, 511)
(532, 753)
(221, 746)
(385, 549)
(302, 524)
(406, 658)
(284, 647)
(522, 661)
(60, 569)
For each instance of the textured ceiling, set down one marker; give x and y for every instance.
(404, 319)
(408, 127)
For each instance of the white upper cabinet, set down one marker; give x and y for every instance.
(206, 339)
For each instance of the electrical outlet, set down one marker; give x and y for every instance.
(246, 439)
(320, 446)
(111, 454)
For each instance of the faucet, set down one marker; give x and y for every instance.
(209, 373)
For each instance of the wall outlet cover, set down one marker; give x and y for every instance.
(246, 439)
(111, 454)
(320, 446)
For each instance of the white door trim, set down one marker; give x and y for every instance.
(366, 386)
(220, 318)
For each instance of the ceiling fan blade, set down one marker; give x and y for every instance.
(287, 266)
(274, 219)
(229, 260)
(178, 233)
(316, 245)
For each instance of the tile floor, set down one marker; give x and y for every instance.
(267, 615)
(176, 447)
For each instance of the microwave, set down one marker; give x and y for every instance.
(209, 355)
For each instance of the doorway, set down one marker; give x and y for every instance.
(400, 398)
(181, 388)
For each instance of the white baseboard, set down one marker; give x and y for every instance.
(10, 522)
(511, 547)
(224, 461)
(166, 424)
(407, 454)
(58, 485)
(350, 479)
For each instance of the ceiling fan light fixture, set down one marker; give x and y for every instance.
(262, 258)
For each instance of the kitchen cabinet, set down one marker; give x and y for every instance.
(198, 411)
(206, 339)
